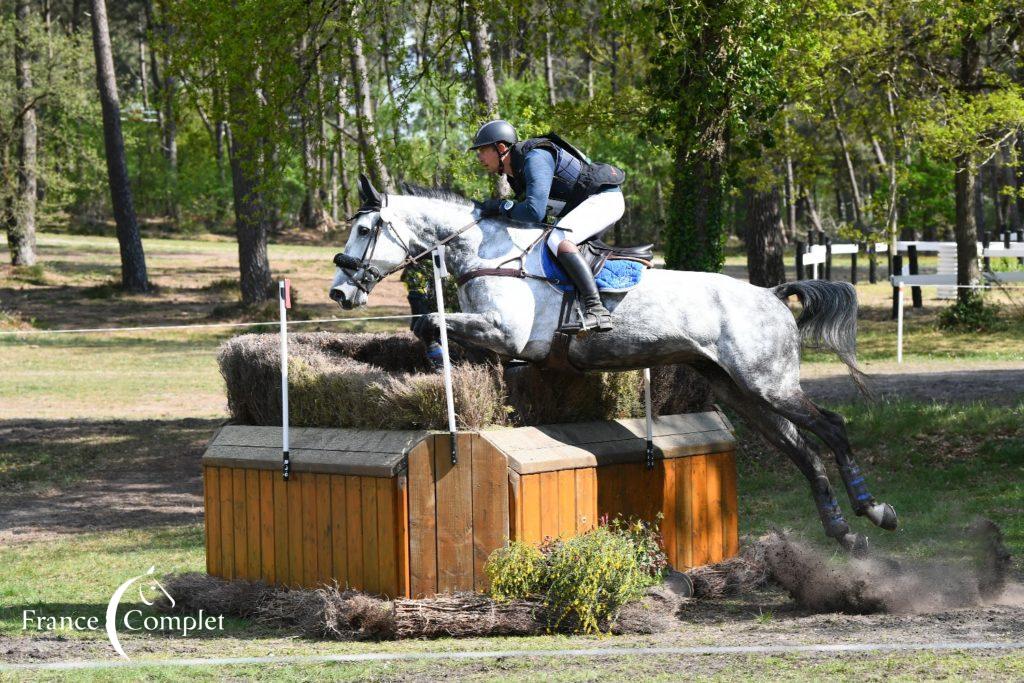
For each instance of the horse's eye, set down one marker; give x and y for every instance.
(364, 230)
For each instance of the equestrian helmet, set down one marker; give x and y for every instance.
(494, 132)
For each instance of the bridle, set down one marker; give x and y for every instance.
(365, 275)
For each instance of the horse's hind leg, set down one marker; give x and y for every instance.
(784, 435)
(830, 427)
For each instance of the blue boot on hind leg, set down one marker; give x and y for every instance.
(864, 504)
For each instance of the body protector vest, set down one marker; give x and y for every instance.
(576, 176)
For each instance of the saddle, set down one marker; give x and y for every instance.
(596, 253)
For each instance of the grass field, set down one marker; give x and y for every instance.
(81, 409)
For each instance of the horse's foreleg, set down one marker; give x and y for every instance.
(483, 330)
(784, 435)
(830, 427)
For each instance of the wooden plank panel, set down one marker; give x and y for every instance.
(490, 506)
(310, 568)
(268, 564)
(715, 538)
(339, 531)
(281, 555)
(252, 515)
(454, 490)
(515, 506)
(610, 493)
(324, 548)
(227, 523)
(684, 513)
(668, 511)
(730, 507)
(211, 518)
(422, 521)
(699, 507)
(386, 548)
(401, 484)
(566, 503)
(241, 540)
(296, 568)
(354, 519)
(371, 562)
(586, 499)
(530, 484)
(548, 504)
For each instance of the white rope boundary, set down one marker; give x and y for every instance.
(95, 330)
(840, 648)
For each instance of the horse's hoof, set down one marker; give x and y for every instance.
(855, 544)
(882, 515)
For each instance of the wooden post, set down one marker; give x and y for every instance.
(985, 244)
(799, 260)
(897, 269)
(872, 263)
(828, 258)
(1020, 242)
(853, 268)
(915, 292)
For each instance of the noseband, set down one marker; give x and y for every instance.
(365, 275)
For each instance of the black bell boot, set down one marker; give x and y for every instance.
(596, 315)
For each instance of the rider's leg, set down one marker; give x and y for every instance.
(594, 215)
(596, 315)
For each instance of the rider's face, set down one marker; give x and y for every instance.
(489, 157)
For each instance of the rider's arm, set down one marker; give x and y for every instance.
(538, 172)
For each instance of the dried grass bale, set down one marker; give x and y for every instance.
(328, 612)
(194, 591)
(382, 381)
(653, 613)
(746, 572)
(466, 615)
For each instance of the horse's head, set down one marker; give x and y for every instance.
(373, 251)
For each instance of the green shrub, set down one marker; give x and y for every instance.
(516, 571)
(583, 581)
(971, 314)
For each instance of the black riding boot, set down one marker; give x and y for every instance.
(596, 315)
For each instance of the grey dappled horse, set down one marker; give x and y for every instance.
(741, 338)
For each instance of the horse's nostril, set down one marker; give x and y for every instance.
(338, 295)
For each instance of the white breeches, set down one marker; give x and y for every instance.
(595, 214)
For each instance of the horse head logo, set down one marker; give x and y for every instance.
(154, 588)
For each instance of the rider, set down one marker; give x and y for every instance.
(548, 167)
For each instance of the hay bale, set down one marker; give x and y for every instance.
(653, 613)
(382, 381)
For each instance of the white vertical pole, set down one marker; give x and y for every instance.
(285, 302)
(899, 325)
(650, 422)
(441, 272)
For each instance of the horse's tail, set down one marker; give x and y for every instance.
(828, 320)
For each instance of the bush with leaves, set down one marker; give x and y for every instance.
(971, 314)
(584, 580)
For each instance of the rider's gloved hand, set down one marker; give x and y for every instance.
(490, 207)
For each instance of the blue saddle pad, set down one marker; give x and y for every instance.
(615, 276)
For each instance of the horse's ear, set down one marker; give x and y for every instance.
(368, 194)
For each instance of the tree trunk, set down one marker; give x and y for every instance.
(965, 183)
(133, 260)
(21, 229)
(851, 172)
(549, 68)
(368, 142)
(764, 241)
(486, 89)
(252, 217)
(694, 231)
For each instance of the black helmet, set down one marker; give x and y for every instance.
(493, 132)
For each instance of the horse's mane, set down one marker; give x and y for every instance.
(442, 193)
